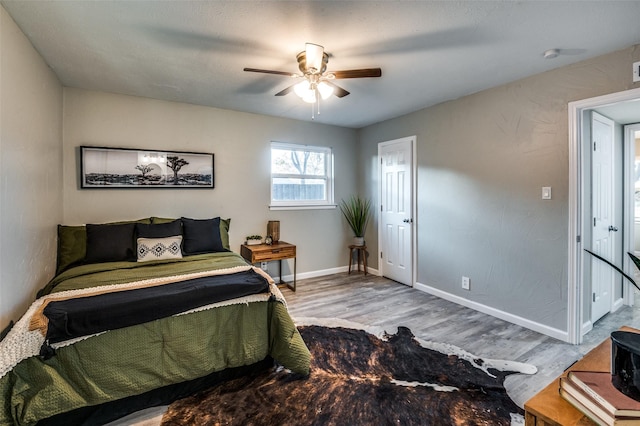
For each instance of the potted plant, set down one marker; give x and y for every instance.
(356, 211)
(253, 240)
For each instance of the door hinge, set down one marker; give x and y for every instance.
(380, 255)
(594, 297)
(381, 208)
(594, 145)
(594, 221)
(578, 239)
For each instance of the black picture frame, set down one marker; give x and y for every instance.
(117, 168)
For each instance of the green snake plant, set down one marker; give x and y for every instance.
(356, 211)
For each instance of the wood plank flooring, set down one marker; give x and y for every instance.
(377, 301)
(374, 300)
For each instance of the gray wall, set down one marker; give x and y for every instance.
(31, 176)
(482, 161)
(241, 145)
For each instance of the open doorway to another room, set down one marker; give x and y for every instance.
(632, 189)
(622, 113)
(627, 310)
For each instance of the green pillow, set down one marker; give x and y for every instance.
(224, 232)
(225, 224)
(72, 244)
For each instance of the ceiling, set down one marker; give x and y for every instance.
(429, 51)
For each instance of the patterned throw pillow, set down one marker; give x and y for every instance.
(159, 248)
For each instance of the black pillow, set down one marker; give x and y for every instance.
(161, 230)
(201, 236)
(110, 243)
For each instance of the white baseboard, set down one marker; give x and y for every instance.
(619, 303)
(323, 272)
(515, 319)
(587, 326)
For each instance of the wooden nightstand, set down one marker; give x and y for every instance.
(268, 252)
(548, 408)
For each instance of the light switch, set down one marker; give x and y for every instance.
(546, 192)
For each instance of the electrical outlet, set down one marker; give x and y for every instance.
(466, 283)
(264, 266)
(636, 71)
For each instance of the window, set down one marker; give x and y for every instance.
(301, 176)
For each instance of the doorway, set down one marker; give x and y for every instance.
(397, 223)
(631, 232)
(580, 205)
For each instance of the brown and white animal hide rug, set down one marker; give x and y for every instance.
(360, 379)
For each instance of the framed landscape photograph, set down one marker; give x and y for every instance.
(133, 168)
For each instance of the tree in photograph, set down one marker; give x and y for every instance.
(144, 169)
(175, 164)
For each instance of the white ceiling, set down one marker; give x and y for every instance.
(429, 51)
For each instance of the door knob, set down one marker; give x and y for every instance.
(613, 228)
(407, 220)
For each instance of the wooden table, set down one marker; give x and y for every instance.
(268, 252)
(548, 408)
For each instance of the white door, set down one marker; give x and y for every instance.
(602, 202)
(396, 210)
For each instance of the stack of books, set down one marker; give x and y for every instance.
(593, 393)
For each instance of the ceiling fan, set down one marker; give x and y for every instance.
(317, 83)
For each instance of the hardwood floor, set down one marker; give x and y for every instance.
(376, 301)
(373, 300)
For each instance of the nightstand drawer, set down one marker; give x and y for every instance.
(265, 253)
(274, 253)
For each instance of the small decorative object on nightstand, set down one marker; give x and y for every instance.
(273, 230)
(360, 251)
(252, 240)
(266, 253)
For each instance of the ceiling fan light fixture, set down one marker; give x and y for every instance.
(316, 82)
(326, 90)
(306, 91)
(302, 88)
(314, 55)
(310, 97)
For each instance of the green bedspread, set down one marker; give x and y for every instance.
(136, 359)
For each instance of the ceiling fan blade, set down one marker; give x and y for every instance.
(362, 73)
(285, 91)
(337, 90)
(288, 74)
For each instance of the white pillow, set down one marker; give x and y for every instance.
(159, 248)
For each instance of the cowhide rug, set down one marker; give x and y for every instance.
(359, 378)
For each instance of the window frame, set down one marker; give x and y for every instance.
(327, 177)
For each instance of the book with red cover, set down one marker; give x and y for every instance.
(589, 407)
(599, 387)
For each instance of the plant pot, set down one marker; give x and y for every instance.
(358, 241)
(253, 242)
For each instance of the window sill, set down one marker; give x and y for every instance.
(311, 207)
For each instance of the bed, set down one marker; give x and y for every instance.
(112, 330)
